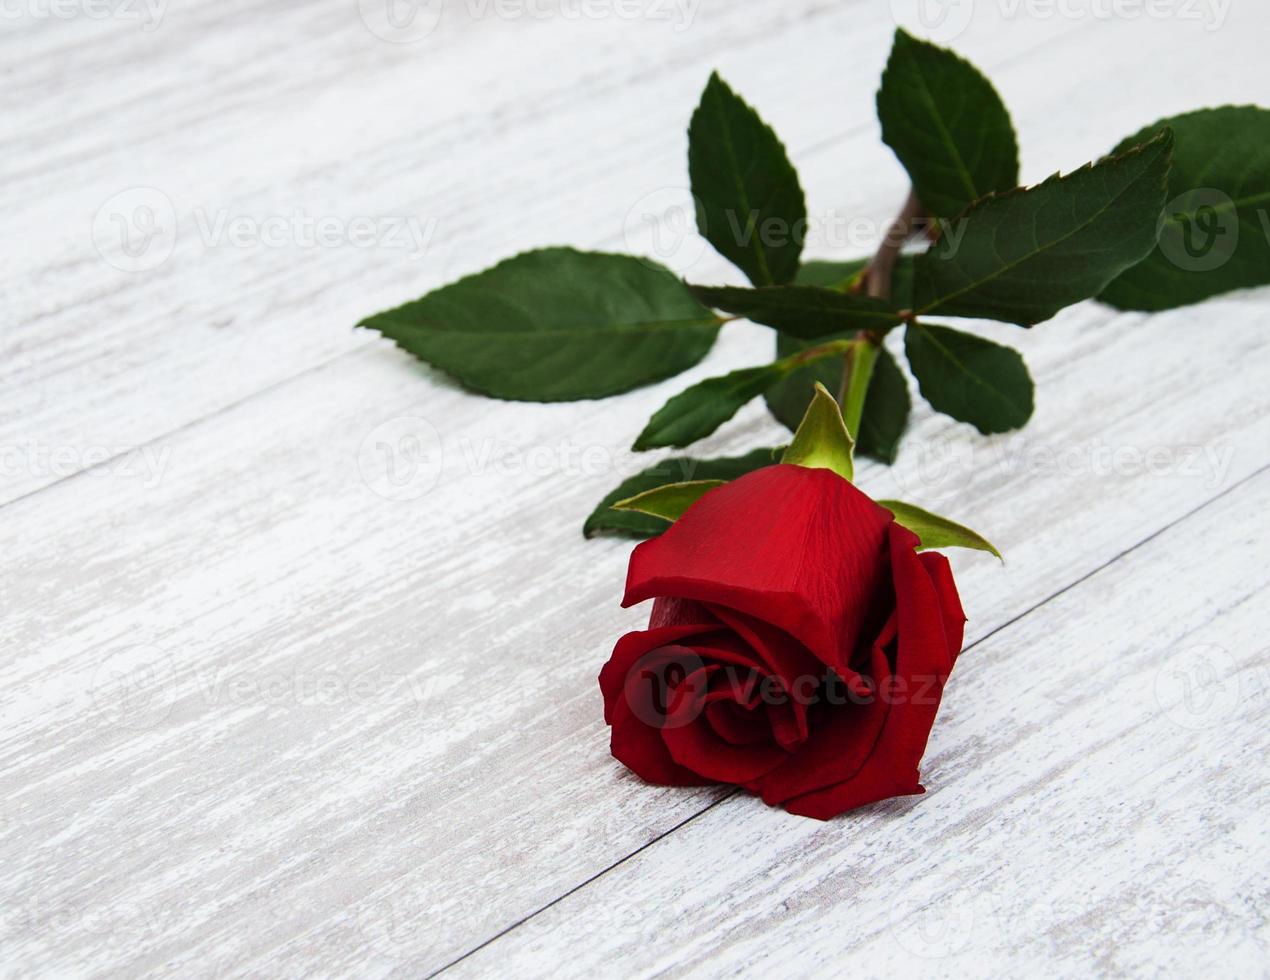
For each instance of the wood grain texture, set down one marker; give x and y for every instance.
(1101, 809)
(266, 711)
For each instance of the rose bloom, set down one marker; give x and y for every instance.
(798, 646)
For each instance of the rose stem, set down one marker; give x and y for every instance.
(857, 363)
(857, 369)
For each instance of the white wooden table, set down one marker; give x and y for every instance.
(267, 712)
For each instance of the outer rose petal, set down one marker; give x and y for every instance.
(954, 615)
(799, 548)
(923, 660)
(640, 749)
(629, 649)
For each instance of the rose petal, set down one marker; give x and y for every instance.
(696, 746)
(669, 611)
(783, 656)
(641, 749)
(840, 745)
(950, 600)
(627, 652)
(799, 548)
(922, 663)
(735, 724)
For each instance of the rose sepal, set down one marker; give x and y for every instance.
(822, 440)
(670, 500)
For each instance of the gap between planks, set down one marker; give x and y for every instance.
(1233, 488)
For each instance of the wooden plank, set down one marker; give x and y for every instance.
(255, 708)
(256, 716)
(1095, 806)
(215, 323)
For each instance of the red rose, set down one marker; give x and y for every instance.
(798, 646)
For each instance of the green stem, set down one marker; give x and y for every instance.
(857, 370)
(857, 365)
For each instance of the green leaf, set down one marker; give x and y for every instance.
(822, 440)
(969, 378)
(806, 312)
(697, 411)
(843, 275)
(750, 204)
(886, 406)
(935, 531)
(830, 275)
(1214, 234)
(556, 325)
(675, 469)
(1024, 255)
(947, 125)
(670, 501)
